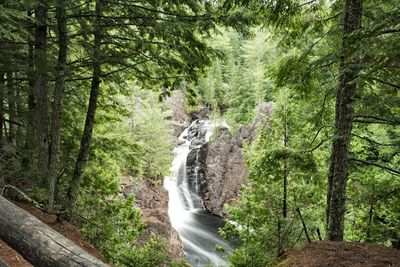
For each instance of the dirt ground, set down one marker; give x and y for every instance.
(341, 254)
(14, 259)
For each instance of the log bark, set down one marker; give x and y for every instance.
(38, 243)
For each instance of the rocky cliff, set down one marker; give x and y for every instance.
(219, 167)
(221, 170)
(225, 172)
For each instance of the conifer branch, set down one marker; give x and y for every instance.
(385, 82)
(375, 142)
(386, 168)
(375, 119)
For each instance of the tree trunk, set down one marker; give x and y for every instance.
(61, 17)
(343, 121)
(12, 113)
(90, 116)
(38, 243)
(285, 167)
(41, 91)
(1, 109)
(30, 116)
(20, 114)
(285, 186)
(2, 181)
(329, 194)
(2, 87)
(370, 216)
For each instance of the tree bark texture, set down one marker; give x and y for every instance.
(61, 17)
(20, 114)
(90, 116)
(344, 113)
(285, 168)
(12, 112)
(285, 186)
(30, 116)
(38, 243)
(41, 90)
(2, 87)
(1, 108)
(329, 194)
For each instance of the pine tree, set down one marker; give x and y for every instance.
(59, 88)
(346, 92)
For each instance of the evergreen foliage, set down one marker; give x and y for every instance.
(307, 66)
(77, 111)
(234, 86)
(81, 90)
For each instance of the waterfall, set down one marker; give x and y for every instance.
(197, 228)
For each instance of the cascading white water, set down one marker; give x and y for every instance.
(197, 228)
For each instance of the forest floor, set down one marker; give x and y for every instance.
(316, 254)
(14, 259)
(341, 254)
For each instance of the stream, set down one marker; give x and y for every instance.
(197, 228)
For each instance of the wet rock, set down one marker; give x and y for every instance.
(202, 113)
(197, 142)
(195, 169)
(225, 172)
(220, 165)
(196, 131)
(219, 170)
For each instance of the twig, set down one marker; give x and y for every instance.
(316, 135)
(297, 240)
(304, 225)
(13, 122)
(317, 146)
(319, 234)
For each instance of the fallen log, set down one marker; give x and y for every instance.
(38, 243)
